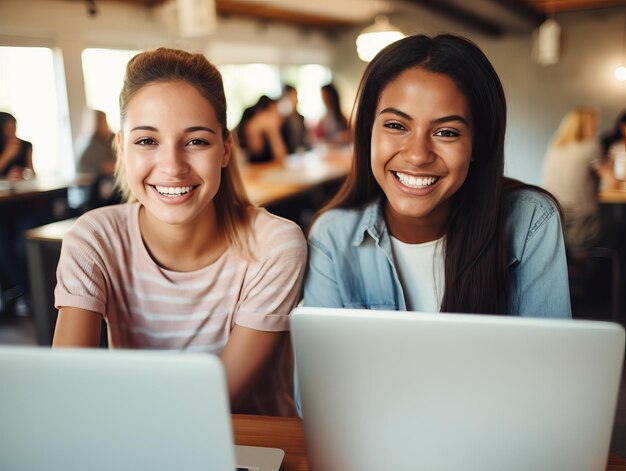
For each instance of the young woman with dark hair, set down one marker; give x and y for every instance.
(426, 220)
(16, 155)
(333, 127)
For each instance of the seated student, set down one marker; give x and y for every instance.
(188, 263)
(426, 220)
(98, 159)
(293, 130)
(16, 155)
(614, 146)
(258, 132)
(333, 127)
(16, 163)
(573, 167)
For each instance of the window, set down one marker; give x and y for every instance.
(244, 84)
(28, 91)
(103, 71)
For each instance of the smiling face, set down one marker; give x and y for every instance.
(420, 151)
(173, 151)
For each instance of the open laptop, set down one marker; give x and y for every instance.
(88, 409)
(384, 390)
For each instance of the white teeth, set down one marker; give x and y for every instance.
(415, 182)
(173, 190)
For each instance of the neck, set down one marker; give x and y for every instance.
(183, 247)
(417, 230)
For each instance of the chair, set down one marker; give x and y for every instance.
(580, 276)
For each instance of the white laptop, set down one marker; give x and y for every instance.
(385, 390)
(90, 409)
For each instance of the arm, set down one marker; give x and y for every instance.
(246, 358)
(77, 327)
(9, 153)
(320, 285)
(605, 173)
(29, 159)
(277, 145)
(542, 278)
(252, 356)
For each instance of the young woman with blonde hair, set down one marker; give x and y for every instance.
(573, 166)
(188, 263)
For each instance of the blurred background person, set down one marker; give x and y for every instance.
(16, 155)
(293, 129)
(98, 159)
(15, 164)
(258, 132)
(333, 127)
(614, 146)
(573, 168)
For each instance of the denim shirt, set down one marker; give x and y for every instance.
(351, 263)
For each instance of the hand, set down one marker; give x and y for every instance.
(15, 174)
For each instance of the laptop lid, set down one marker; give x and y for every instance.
(88, 409)
(443, 392)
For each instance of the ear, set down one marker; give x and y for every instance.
(228, 145)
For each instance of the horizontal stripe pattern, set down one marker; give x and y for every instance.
(104, 262)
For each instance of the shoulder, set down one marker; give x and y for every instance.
(270, 231)
(338, 223)
(529, 210)
(105, 222)
(26, 145)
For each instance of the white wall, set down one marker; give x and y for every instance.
(537, 96)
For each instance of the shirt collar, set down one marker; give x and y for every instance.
(372, 222)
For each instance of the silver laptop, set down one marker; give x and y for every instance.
(80, 409)
(384, 390)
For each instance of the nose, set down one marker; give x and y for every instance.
(173, 161)
(418, 149)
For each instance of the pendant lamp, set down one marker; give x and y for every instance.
(375, 37)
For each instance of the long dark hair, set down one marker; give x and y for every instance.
(335, 105)
(4, 118)
(476, 265)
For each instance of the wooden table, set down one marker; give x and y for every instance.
(39, 187)
(616, 195)
(275, 432)
(271, 183)
(287, 433)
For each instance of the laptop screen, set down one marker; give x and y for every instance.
(401, 390)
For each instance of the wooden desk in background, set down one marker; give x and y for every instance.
(287, 434)
(613, 195)
(39, 188)
(271, 183)
(614, 199)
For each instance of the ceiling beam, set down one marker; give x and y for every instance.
(462, 15)
(524, 10)
(265, 11)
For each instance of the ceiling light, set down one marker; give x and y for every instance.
(547, 43)
(196, 18)
(375, 37)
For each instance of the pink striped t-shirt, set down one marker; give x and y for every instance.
(106, 268)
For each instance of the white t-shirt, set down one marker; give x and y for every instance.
(421, 271)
